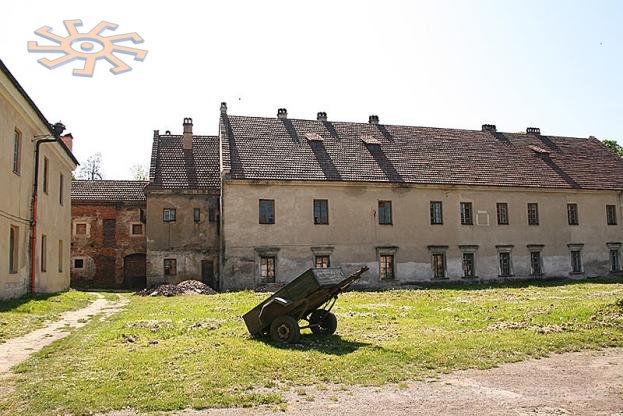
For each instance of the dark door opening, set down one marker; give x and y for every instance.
(207, 273)
(134, 271)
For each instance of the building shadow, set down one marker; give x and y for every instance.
(287, 123)
(191, 171)
(386, 134)
(384, 163)
(234, 155)
(324, 160)
(330, 129)
(559, 171)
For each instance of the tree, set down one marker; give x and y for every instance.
(92, 168)
(614, 146)
(139, 173)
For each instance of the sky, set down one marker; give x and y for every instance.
(556, 65)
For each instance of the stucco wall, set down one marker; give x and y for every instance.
(354, 235)
(54, 218)
(184, 240)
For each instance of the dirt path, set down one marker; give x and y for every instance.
(16, 350)
(581, 383)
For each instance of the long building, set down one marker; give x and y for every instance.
(270, 197)
(35, 226)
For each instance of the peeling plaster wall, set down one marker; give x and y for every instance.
(186, 241)
(355, 235)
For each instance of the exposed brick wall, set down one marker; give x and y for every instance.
(111, 255)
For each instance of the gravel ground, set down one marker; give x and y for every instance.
(579, 383)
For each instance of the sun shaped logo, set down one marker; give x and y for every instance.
(88, 47)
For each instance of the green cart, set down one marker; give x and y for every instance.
(310, 298)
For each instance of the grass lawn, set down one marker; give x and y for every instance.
(194, 351)
(20, 316)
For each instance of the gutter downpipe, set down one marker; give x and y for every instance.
(33, 221)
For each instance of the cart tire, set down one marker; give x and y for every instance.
(285, 329)
(322, 322)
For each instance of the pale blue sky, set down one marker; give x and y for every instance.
(557, 65)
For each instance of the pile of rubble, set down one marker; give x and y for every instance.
(187, 287)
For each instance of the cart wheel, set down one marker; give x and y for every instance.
(323, 322)
(285, 329)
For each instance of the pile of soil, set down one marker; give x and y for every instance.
(187, 287)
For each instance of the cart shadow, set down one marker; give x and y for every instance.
(333, 344)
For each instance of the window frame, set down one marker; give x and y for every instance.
(387, 266)
(615, 259)
(438, 264)
(319, 258)
(266, 268)
(436, 212)
(573, 217)
(171, 267)
(61, 189)
(576, 260)
(17, 152)
(169, 215)
(73, 263)
(137, 224)
(61, 255)
(533, 217)
(196, 215)
(501, 220)
(321, 212)
(13, 249)
(264, 217)
(387, 217)
(611, 214)
(43, 254)
(473, 264)
(538, 270)
(46, 175)
(466, 210)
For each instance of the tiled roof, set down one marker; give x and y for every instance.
(108, 190)
(173, 167)
(278, 149)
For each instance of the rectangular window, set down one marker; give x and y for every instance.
(44, 253)
(169, 215)
(197, 215)
(386, 266)
(211, 214)
(505, 264)
(436, 212)
(467, 217)
(615, 261)
(321, 211)
(576, 261)
(110, 232)
(267, 269)
(17, 152)
(469, 269)
(611, 214)
(60, 256)
(170, 267)
(141, 215)
(502, 209)
(81, 229)
(385, 212)
(439, 265)
(137, 229)
(61, 189)
(46, 167)
(535, 263)
(533, 214)
(322, 262)
(267, 211)
(13, 249)
(572, 214)
(78, 263)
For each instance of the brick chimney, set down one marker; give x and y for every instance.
(282, 113)
(321, 116)
(489, 127)
(223, 107)
(373, 119)
(68, 139)
(187, 137)
(533, 130)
